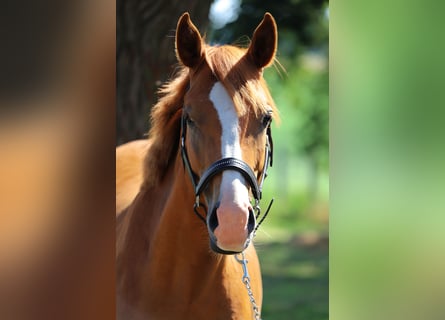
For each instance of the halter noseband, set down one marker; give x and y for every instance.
(199, 184)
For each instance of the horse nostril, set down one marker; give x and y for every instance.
(213, 219)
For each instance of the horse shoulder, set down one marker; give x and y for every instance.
(129, 172)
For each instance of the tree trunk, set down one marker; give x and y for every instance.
(145, 56)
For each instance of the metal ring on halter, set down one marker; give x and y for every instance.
(195, 209)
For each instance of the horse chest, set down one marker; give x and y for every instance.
(202, 294)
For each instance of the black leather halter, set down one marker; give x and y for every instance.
(256, 184)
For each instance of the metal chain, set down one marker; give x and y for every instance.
(246, 280)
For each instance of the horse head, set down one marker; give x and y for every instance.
(226, 116)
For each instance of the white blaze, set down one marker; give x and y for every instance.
(232, 184)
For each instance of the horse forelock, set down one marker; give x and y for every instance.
(244, 84)
(242, 80)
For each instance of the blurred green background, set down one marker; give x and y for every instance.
(387, 160)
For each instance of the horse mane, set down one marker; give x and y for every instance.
(165, 128)
(239, 77)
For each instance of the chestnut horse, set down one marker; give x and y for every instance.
(207, 154)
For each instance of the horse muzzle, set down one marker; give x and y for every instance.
(230, 224)
(226, 237)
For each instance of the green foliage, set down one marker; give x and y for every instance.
(302, 98)
(299, 178)
(301, 18)
(296, 276)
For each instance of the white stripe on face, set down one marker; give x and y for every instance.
(232, 184)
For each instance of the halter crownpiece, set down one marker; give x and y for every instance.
(199, 184)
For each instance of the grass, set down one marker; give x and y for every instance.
(295, 268)
(295, 281)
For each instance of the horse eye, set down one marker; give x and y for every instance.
(267, 119)
(189, 121)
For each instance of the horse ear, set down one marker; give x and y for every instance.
(189, 47)
(263, 47)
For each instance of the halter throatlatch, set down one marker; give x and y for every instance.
(199, 184)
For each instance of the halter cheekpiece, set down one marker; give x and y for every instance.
(199, 184)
